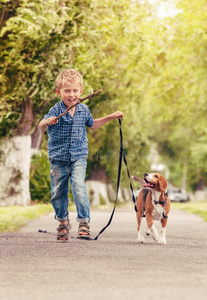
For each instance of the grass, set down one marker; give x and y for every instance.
(14, 217)
(198, 208)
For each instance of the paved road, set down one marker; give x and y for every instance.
(36, 266)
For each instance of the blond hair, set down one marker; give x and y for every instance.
(69, 75)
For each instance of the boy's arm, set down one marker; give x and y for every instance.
(50, 121)
(100, 122)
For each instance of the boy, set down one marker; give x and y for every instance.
(68, 150)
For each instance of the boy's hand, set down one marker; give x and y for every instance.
(117, 115)
(52, 121)
(100, 122)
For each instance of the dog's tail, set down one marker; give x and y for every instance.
(140, 180)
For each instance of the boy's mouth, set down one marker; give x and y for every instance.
(72, 100)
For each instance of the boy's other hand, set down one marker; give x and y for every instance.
(117, 115)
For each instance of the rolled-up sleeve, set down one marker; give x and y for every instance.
(89, 119)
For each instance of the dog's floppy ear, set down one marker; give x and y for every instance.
(163, 183)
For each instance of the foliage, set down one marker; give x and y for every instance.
(179, 90)
(40, 178)
(35, 45)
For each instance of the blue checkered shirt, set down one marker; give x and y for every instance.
(68, 138)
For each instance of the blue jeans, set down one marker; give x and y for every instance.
(60, 174)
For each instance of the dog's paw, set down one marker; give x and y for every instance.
(140, 241)
(157, 240)
(154, 234)
(162, 241)
(140, 238)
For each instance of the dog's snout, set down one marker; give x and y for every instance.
(146, 174)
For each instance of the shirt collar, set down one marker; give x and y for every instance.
(78, 107)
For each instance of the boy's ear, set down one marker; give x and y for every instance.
(58, 92)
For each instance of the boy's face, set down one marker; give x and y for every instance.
(70, 93)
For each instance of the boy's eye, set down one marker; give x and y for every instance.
(68, 91)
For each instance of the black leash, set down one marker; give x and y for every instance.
(121, 155)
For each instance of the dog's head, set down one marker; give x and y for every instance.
(155, 181)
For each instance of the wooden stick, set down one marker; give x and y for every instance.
(80, 100)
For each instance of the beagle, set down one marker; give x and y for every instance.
(153, 203)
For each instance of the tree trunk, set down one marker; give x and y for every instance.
(15, 155)
(15, 171)
(37, 137)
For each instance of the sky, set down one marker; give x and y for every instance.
(165, 8)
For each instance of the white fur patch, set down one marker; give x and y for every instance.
(158, 209)
(149, 176)
(154, 233)
(163, 236)
(141, 233)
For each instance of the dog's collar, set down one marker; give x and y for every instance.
(160, 202)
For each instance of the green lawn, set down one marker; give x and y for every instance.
(198, 208)
(13, 217)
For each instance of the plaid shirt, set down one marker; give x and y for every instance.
(68, 138)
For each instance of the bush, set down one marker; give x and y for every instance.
(40, 178)
(102, 200)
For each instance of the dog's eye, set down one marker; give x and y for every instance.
(156, 176)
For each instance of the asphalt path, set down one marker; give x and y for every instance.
(35, 266)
